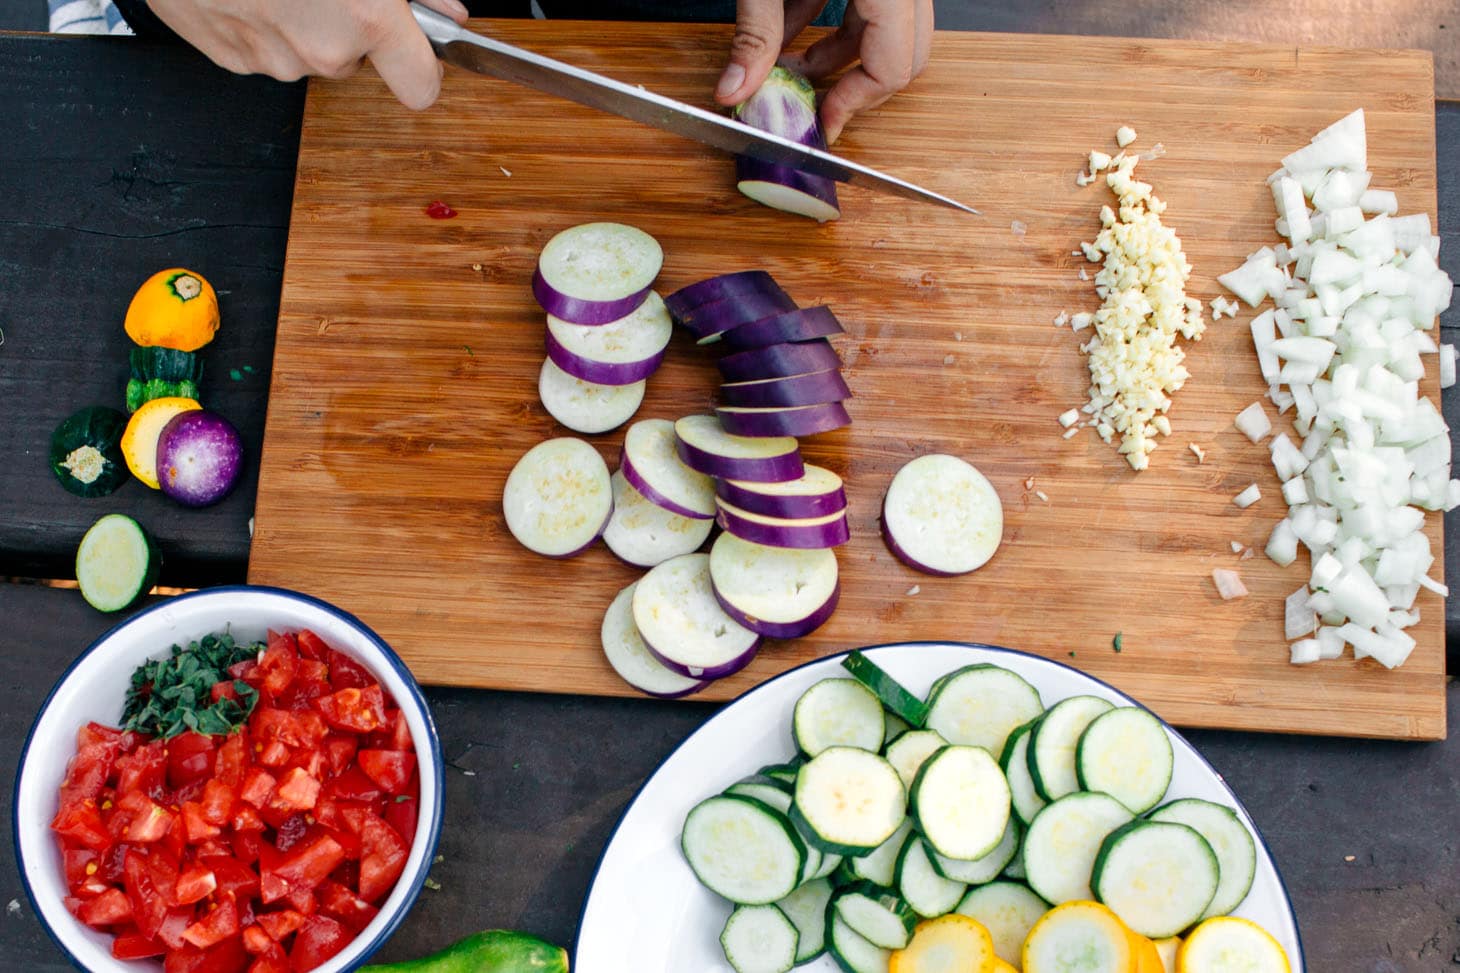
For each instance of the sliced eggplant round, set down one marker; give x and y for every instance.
(781, 360)
(586, 407)
(595, 273)
(802, 324)
(651, 464)
(709, 321)
(800, 420)
(558, 497)
(809, 532)
(787, 189)
(816, 493)
(86, 452)
(685, 300)
(942, 516)
(704, 445)
(778, 592)
(684, 626)
(630, 657)
(620, 352)
(644, 534)
(813, 388)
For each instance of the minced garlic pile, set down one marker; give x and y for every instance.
(1134, 360)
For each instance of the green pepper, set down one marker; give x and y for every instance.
(493, 951)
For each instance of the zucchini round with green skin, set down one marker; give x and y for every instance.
(930, 894)
(1228, 837)
(960, 802)
(850, 950)
(1159, 877)
(760, 939)
(895, 727)
(980, 705)
(806, 907)
(742, 850)
(496, 950)
(86, 452)
(987, 868)
(767, 794)
(116, 563)
(1015, 763)
(1063, 841)
(837, 713)
(848, 801)
(911, 750)
(784, 774)
(893, 694)
(879, 866)
(1054, 740)
(1008, 910)
(876, 914)
(158, 372)
(1127, 754)
(1226, 944)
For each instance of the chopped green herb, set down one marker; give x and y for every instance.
(517, 765)
(1115, 642)
(248, 368)
(169, 696)
(402, 798)
(235, 374)
(432, 884)
(467, 349)
(1072, 653)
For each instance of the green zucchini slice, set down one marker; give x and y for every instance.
(86, 452)
(116, 564)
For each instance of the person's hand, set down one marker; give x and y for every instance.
(288, 39)
(891, 38)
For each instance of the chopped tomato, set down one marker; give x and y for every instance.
(258, 787)
(215, 924)
(144, 769)
(317, 940)
(383, 855)
(345, 672)
(256, 940)
(150, 821)
(338, 902)
(232, 875)
(400, 733)
(401, 814)
(195, 882)
(311, 646)
(196, 827)
(296, 729)
(353, 785)
(355, 709)
(107, 909)
(190, 757)
(217, 802)
(228, 956)
(391, 769)
(277, 665)
(170, 933)
(224, 689)
(339, 749)
(297, 790)
(274, 753)
(80, 865)
(245, 818)
(82, 823)
(233, 758)
(306, 864)
(147, 885)
(274, 960)
(134, 945)
(302, 901)
(282, 923)
(87, 773)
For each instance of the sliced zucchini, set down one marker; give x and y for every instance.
(838, 713)
(742, 850)
(980, 705)
(1127, 754)
(829, 865)
(880, 865)
(1062, 842)
(1158, 876)
(894, 696)
(760, 939)
(783, 774)
(907, 752)
(1015, 869)
(895, 728)
(960, 802)
(806, 907)
(1229, 838)
(86, 452)
(116, 563)
(1078, 937)
(876, 914)
(1053, 741)
(851, 952)
(987, 868)
(949, 944)
(848, 801)
(930, 894)
(765, 793)
(1008, 910)
(1015, 763)
(1226, 944)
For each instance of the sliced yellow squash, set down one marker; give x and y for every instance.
(1167, 948)
(139, 439)
(1148, 958)
(1227, 944)
(1001, 967)
(1079, 937)
(949, 944)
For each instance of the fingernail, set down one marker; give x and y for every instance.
(730, 81)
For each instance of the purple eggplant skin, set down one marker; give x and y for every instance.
(779, 361)
(199, 458)
(683, 302)
(801, 420)
(801, 324)
(812, 388)
(784, 105)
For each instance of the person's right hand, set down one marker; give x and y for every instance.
(288, 39)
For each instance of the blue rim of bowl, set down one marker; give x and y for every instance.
(1302, 963)
(433, 832)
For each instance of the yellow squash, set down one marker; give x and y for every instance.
(175, 308)
(139, 439)
(949, 944)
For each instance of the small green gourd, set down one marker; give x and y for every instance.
(86, 452)
(161, 373)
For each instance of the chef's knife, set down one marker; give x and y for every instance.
(485, 55)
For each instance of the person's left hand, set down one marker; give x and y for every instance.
(890, 38)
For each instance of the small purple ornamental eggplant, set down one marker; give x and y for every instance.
(199, 458)
(786, 106)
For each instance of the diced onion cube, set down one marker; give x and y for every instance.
(1298, 617)
(1248, 497)
(1253, 422)
(1229, 584)
(1305, 652)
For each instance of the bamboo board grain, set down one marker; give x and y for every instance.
(404, 380)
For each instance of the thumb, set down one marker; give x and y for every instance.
(759, 29)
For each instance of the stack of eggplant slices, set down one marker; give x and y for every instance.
(772, 571)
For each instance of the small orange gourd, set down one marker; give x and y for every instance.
(175, 308)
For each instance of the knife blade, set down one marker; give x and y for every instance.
(485, 55)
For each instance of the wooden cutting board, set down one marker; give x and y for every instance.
(405, 373)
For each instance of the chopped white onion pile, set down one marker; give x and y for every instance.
(1356, 291)
(1229, 584)
(1135, 364)
(1248, 497)
(1253, 422)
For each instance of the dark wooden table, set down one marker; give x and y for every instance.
(117, 158)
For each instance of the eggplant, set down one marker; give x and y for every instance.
(785, 105)
(703, 444)
(199, 458)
